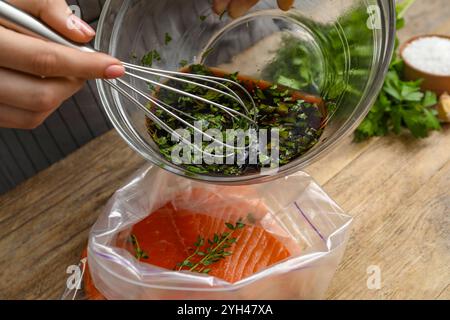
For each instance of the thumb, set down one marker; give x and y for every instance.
(57, 15)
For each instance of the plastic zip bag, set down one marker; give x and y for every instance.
(293, 209)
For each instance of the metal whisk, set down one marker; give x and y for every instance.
(25, 22)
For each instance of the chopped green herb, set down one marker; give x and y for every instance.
(149, 58)
(167, 39)
(183, 63)
(202, 18)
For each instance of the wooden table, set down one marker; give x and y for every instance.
(396, 188)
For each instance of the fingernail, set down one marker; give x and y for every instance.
(114, 71)
(82, 26)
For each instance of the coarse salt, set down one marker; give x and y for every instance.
(429, 54)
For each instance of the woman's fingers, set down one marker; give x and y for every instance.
(42, 58)
(57, 15)
(238, 8)
(219, 6)
(31, 93)
(285, 4)
(11, 117)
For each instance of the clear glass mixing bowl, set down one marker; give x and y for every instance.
(338, 49)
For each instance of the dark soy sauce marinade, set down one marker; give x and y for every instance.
(299, 117)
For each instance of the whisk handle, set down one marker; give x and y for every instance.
(23, 22)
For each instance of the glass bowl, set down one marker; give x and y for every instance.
(339, 50)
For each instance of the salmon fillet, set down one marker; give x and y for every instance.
(168, 234)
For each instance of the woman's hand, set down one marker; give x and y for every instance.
(237, 8)
(36, 76)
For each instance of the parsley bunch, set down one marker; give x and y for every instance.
(401, 104)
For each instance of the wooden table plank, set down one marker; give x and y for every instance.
(396, 188)
(389, 191)
(44, 223)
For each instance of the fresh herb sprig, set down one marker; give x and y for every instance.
(216, 250)
(401, 104)
(138, 252)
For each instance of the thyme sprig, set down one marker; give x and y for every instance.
(215, 251)
(138, 252)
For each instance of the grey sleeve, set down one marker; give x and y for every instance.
(23, 153)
